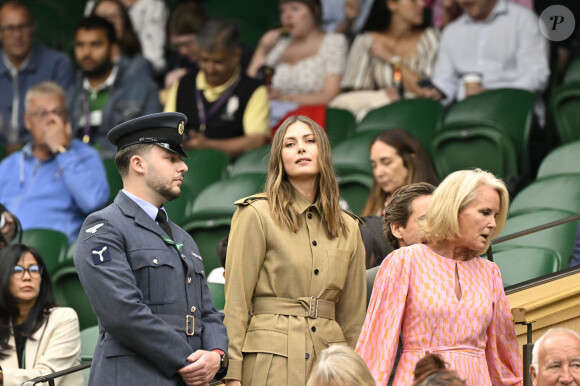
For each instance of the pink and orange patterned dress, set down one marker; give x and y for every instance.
(414, 293)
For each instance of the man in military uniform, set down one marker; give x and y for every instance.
(143, 274)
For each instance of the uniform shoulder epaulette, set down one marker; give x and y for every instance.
(356, 218)
(250, 199)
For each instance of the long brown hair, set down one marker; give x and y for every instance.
(415, 159)
(128, 41)
(281, 193)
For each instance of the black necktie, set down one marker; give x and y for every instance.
(162, 220)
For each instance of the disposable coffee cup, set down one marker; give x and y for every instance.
(472, 79)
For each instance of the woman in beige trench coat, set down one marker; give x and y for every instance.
(295, 273)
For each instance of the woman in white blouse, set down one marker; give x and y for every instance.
(308, 64)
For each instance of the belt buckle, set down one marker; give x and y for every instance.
(313, 308)
(187, 322)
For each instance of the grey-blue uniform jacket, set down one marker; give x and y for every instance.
(144, 291)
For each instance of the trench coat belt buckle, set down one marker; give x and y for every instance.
(177, 323)
(307, 307)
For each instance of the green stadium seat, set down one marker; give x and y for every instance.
(212, 211)
(553, 192)
(572, 72)
(89, 339)
(339, 125)
(254, 161)
(560, 239)
(113, 178)
(2, 152)
(420, 116)
(355, 189)
(565, 159)
(352, 156)
(474, 147)
(519, 264)
(565, 108)
(206, 166)
(509, 111)
(52, 245)
(69, 292)
(218, 295)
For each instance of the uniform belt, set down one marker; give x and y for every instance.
(187, 324)
(307, 308)
(311, 307)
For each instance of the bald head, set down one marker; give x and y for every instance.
(556, 359)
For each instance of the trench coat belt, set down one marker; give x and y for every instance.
(306, 307)
(186, 324)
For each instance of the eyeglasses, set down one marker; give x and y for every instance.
(11, 29)
(33, 271)
(43, 114)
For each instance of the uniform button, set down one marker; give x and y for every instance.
(189, 280)
(313, 329)
(316, 271)
(309, 215)
(193, 309)
(183, 256)
(307, 356)
(314, 243)
(155, 261)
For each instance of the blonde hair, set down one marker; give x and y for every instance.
(281, 193)
(455, 193)
(340, 365)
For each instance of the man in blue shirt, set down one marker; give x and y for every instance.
(22, 66)
(54, 182)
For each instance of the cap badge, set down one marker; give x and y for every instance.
(181, 128)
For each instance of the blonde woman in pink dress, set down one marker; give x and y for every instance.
(442, 297)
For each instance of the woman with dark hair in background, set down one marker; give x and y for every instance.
(295, 263)
(398, 159)
(36, 337)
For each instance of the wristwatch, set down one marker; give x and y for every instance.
(224, 360)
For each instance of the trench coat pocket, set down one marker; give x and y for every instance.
(156, 276)
(266, 341)
(338, 262)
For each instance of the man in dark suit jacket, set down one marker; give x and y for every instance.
(143, 274)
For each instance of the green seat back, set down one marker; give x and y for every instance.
(339, 125)
(69, 292)
(572, 72)
(560, 239)
(2, 152)
(355, 189)
(565, 159)
(553, 192)
(207, 238)
(113, 178)
(476, 147)
(352, 156)
(507, 110)
(52, 245)
(254, 161)
(419, 116)
(519, 264)
(565, 108)
(218, 295)
(89, 339)
(213, 209)
(206, 166)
